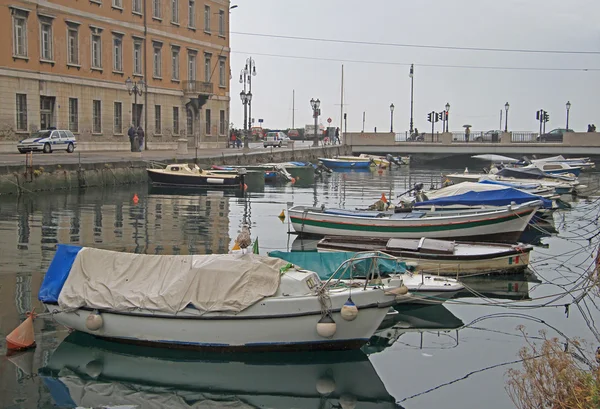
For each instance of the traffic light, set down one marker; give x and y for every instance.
(429, 117)
(446, 115)
(546, 116)
(537, 115)
(437, 116)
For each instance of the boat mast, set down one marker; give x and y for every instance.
(342, 102)
(293, 106)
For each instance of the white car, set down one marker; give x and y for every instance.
(277, 139)
(49, 140)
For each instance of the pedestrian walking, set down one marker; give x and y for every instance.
(337, 135)
(467, 133)
(131, 133)
(141, 135)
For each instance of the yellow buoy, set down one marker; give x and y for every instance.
(236, 246)
(282, 214)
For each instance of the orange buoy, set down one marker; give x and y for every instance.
(136, 199)
(383, 198)
(380, 171)
(293, 180)
(22, 337)
(236, 246)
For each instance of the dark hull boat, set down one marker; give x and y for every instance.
(182, 175)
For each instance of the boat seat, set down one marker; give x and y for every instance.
(411, 215)
(424, 245)
(342, 212)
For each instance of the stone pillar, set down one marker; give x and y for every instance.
(506, 138)
(446, 138)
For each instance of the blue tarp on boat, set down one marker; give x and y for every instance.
(500, 197)
(57, 273)
(325, 264)
(520, 185)
(59, 392)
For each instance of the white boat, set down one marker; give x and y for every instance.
(88, 372)
(222, 302)
(501, 224)
(555, 168)
(441, 257)
(584, 162)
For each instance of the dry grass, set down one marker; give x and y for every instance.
(553, 377)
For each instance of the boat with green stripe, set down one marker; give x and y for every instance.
(503, 224)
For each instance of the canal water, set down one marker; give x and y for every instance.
(452, 356)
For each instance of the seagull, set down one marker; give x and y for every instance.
(243, 239)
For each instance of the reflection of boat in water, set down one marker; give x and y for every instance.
(89, 372)
(509, 287)
(412, 318)
(302, 243)
(191, 191)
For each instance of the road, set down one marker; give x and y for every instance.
(7, 159)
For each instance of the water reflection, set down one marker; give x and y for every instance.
(421, 319)
(506, 287)
(88, 372)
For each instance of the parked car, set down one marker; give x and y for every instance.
(489, 136)
(555, 135)
(48, 140)
(277, 139)
(293, 134)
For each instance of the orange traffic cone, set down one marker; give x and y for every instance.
(383, 198)
(22, 337)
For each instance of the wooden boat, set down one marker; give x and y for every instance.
(89, 372)
(501, 224)
(216, 302)
(443, 257)
(182, 175)
(347, 162)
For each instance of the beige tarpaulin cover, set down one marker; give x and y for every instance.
(112, 280)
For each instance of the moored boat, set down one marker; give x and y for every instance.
(216, 302)
(347, 162)
(182, 175)
(501, 224)
(443, 257)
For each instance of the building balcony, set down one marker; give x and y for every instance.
(197, 88)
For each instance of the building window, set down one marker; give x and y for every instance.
(73, 115)
(96, 116)
(137, 6)
(157, 120)
(207, 67)
(175, 11)
(73, 46)
(222, 23)
(118, 118)
(96, 51)
(137, 58)
(208, 125)
(221, 122)
(222, 73)
(19, 33)
(21, 112)
(207, 19)
(118, 54)
(118, 4)
(175, 63)
(191, 67)
(156, 11)
(157, 61)
(46, 41)
(175, 120)
(192, 14)
(190, 123)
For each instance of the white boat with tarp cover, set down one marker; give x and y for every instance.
(219, 302)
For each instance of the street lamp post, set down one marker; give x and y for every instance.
(246, 75)
(315, 105)
(136, 88)
(392, 117)
(506, 106)
(446, 116)
(245, 97)
(568, 109)
(411, 75)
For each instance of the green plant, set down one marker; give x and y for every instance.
(553, 377)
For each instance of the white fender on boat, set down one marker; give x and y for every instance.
(94, 368)
(94, 322)
(347, 401)
(349, 310)
(326, 327)
(325, 385)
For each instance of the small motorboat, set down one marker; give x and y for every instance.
(182, 175)
(223, 302)
(394, 273)
(443, 257)
(557, 168)
(347, 162)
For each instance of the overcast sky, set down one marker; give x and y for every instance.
(377, 75)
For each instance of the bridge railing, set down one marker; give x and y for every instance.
(524, 137)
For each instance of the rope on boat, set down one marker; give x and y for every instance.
(324, 300)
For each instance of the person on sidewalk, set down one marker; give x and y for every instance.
(337, 135)
(467, 133)
(131, 134)
(141, 135)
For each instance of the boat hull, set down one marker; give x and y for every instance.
(346, 164)
(499, 226)
(284, 323)
(504, 260)
(159, 178)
